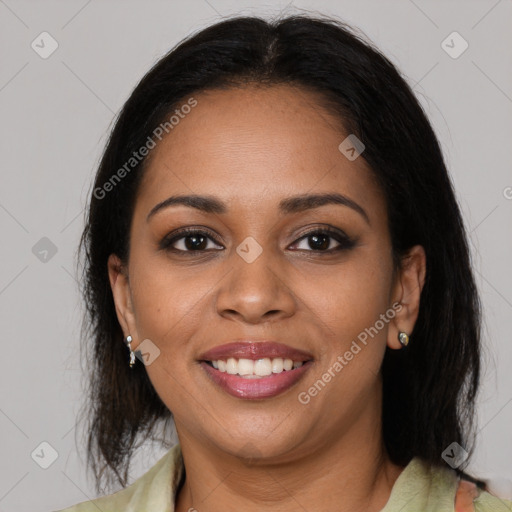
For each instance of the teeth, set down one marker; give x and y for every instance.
(251, 369)
(232, 366)
(277, 365)
(262, 367)
(246, 367)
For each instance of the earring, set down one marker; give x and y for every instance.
(403, 338)
(132, 353)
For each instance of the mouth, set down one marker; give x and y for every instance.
(252, 370)
(258, 369)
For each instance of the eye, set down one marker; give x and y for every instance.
(188, 240)
(321, 240)
(197, 240)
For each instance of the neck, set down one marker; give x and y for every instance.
(335, 476)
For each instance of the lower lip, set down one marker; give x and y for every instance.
(251, 389)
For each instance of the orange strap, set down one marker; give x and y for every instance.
(466, 493)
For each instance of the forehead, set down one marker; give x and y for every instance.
(253, 146)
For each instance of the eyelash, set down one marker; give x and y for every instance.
(344, 241)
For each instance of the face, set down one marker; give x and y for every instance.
(313, 278)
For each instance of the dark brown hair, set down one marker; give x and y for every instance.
(430, 387)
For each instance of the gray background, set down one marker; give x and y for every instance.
(55, 115)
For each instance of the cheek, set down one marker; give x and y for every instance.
(358, 294)
(351, 297)
(168, 303)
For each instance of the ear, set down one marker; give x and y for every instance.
(409, 281)
(119, 283)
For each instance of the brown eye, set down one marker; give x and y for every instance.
(188, 240)
(197, 240)
(325, 240)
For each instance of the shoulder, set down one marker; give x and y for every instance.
(470, 497)
(155, 489)
(487, 502)
(424, 487)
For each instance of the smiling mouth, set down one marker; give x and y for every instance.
(251, 369)
(255, 379)
(255, 369)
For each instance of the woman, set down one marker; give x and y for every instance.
(274, 234)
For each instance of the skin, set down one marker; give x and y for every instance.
(252, 147)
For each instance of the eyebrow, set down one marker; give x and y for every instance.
(289, 205)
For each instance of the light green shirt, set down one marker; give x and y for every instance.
(419, 488)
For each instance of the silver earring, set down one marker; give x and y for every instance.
(132, 353)
(403, 338)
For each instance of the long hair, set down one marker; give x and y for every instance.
(429, 389)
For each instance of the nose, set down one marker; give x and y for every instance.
(257, 291)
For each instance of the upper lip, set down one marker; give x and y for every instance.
(247, 349)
